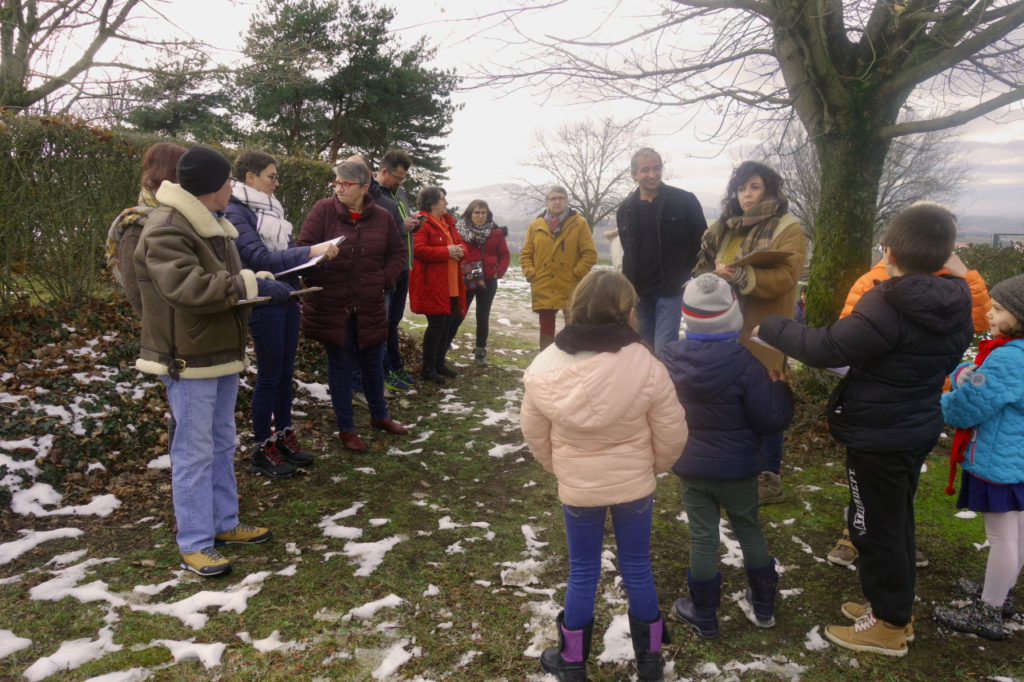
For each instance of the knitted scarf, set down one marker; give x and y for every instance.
(136, 215)
(275, 231)
(600, 338)
(472, 233)
(963, 436)
(757, 223)
(555, 222)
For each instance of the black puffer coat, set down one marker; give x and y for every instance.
(901, 340)
(730, 404)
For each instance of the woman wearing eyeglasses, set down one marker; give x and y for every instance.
(265, 243)
(349, 316)
(557, 253)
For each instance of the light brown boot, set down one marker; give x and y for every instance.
(871, 635)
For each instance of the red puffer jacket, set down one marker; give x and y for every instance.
(494, 254)
(428, 280)
(369, 260)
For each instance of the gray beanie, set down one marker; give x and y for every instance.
(202, 170)
(710, 306)
(1010, 294)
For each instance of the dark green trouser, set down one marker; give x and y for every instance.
(704, 500)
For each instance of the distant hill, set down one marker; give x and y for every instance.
(981, 228)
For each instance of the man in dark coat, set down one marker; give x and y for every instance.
(660, 229)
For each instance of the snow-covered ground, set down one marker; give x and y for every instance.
(523, 573)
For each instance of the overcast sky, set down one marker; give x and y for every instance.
(493, 130)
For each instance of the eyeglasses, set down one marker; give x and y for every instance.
(557, 199)
(344, 184)
(273, 177)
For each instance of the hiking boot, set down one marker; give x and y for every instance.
(871, 635)
(242, 534)
(266, 460)
(973, 588)
(206, 562)
(359, 400)
(405, 377)
(854, 610)
(844, 553)
(289, 448)
(920, 560)
(393, 382)
(978, 617)
(480, 356)
(769, 488)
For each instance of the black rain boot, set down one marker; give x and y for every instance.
(647, 640)
(700, 610)
(761, 594)
(568, 660)
(429, 370)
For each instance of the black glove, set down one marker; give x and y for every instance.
(279, 292)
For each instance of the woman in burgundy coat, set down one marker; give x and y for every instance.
(436, 287)
(348, 316)
(485, 244)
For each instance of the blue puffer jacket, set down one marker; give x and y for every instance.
(254, 253)
(730, 405)
(992, 402)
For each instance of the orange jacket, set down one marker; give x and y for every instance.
(979, 293)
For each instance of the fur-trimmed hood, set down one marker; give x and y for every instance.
(198, 216)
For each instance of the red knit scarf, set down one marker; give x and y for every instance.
(963, 436)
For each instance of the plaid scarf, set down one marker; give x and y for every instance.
(757, 225)
(963, 436)
(274, 230)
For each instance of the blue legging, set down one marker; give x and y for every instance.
(275, 336)
(584, 530)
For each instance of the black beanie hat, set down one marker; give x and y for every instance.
(202, 170)
(1010, 294)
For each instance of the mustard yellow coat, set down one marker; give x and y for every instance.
(552, 266)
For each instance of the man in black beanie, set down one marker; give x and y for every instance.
(194, 317)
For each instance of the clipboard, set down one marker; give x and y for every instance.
(252, 301)
(315, 260)
(762, 258)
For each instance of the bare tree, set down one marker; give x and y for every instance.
(49, 50)
(850, 70)
(590, 159)
(918, 167)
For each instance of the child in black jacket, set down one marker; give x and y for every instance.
(902, 339)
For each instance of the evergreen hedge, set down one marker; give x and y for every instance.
(64, 182)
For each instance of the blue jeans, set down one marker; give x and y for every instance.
(771, 453)
(341, 362)
(202, 458)
(657, 319)
(275, 336)
(584, 530)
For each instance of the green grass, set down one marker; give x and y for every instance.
(446, 478)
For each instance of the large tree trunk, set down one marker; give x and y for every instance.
(851, 166)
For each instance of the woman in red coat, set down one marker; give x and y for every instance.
(436, 287)
(348, 316)
(485, 245)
